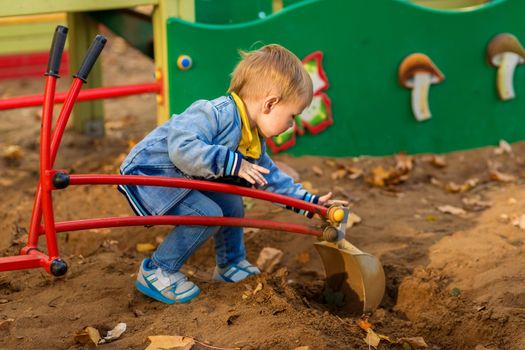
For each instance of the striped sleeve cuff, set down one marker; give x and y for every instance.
(232, 163)
(308, 197)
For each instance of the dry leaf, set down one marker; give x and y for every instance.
(309, 187)
(88, 335)
(354, 173)
(449, 209)
(317, 171)
(131, 144)
(503, 147)
(330, 162)
(404, 163)
(452, 187)
(303, 258)
(438, 161)
(502, 177)
(13, 152)
(145, 247)
(519, 222)
(171, 342)
(372, 338)
(302, 348)
(4, 324)
(338, 174)
(269, 258)
(379, 176)
(415, 342)
(475, 203)
(352, 219)
(364, 324)
(258, 288)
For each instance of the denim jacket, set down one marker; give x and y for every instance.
(200, 143)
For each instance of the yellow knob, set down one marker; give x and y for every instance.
(337, 214)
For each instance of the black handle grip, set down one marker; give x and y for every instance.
(94, 51)
(57, 48)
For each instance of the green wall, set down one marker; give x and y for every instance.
(364, 42)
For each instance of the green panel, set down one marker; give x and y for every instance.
(364, 42)
(231, 11)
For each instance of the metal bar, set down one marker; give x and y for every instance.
(185, 220)
(100, 179)
(85, 95)
(21, 262)
(62, 120)
(45, 164)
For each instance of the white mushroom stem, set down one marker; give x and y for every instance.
(506, 62)
(420, 88)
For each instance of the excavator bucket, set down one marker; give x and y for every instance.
(357, 275)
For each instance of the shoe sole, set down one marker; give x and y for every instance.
(159, 297)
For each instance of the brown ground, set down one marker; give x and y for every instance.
(456, 281)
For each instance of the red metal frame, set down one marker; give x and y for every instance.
(86, 95)
(31, 257)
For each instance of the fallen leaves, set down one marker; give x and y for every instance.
(437, 161)
(178, 342)
(503, 147)
(453, 187)
(449, 209)
(145, 247)
(88, 335)
(91, 335)
(172, 342)
(269, 258)
(381, 177)
(317, 171)
(496, 175)
(374, 339)
(414, 342)
(12, 154)
(475, 203)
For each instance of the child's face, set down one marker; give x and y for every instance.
(277, 116)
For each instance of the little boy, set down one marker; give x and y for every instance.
(221, 140)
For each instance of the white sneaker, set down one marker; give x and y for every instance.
(165, 287)
(235, 272)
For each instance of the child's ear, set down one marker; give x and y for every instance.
(269, 103)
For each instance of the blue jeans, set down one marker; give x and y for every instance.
(183, 241)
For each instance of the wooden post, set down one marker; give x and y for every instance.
(184, 9)
(88, 117)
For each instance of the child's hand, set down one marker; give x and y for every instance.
(327, 200)
(253, 173)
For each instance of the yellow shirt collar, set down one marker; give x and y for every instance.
(250, 143)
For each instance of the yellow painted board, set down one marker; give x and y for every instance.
(32, 7)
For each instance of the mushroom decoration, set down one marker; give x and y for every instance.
(418, 72)
(505, 52)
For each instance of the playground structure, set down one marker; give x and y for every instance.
(363, 50)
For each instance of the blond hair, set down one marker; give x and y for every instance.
(272, 69)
